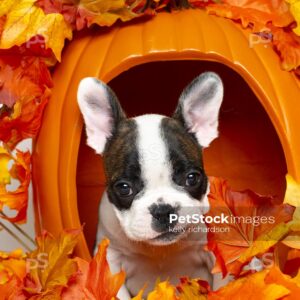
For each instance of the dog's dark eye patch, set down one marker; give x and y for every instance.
(185, 156)
(121, 162)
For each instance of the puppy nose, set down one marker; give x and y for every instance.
(161, 216)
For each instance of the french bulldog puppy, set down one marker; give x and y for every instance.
(154, 170)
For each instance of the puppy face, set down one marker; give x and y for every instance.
(154, 163)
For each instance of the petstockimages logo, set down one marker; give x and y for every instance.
(189, 222)
(198, 218)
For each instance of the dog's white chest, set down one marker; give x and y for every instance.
(140, 269)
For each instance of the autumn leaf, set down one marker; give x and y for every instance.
(292, 240)
(52, 266)
(2, 22)
(105, 12)
(94, 280)
(291, 256)
(292, 197)
(275, 276)
(25, 90)
(292, 262)
(12, 264)
(251, 287)
(24, 20)
(264, 242)
(295, 11)
(86, 12)
(202, 3)
(256, 14)
(67, 8)
(12, 290)
(192, 289)
(187, 289)
(12, 272)
(255, 223)
(163, 290)
(139, 296)
(288, 45)
(107, 285)
(16, 200)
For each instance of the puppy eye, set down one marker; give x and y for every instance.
(192, 179)
(123, 189)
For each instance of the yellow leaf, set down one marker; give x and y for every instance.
(163, 290)
(17, 253)
(106, 12)
(4, 172)
(265, 242)
(139, 296)
(292, 197)
(192, 289)
(292, 241)
(295, 11)
(24, 21)
(12, 264)
(5, 6)
(292, 194)
(251, 287)
(51, 265)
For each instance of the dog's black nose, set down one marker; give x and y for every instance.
(161, 216)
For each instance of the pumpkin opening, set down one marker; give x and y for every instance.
(248, 152)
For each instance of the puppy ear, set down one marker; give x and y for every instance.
(199, 105)
(101, 112)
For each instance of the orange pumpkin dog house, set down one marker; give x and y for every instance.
(148, 64)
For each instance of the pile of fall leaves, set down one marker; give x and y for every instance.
(32, 36)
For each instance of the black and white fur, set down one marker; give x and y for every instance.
(154, 167)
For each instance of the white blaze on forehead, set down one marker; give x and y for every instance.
(153, 152)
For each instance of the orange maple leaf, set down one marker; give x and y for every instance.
(275, 276)
(94, 280)
(255, 224)
(25, 89)
(255, 13)
(12, 290)
(251, 287)
(287, 43)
